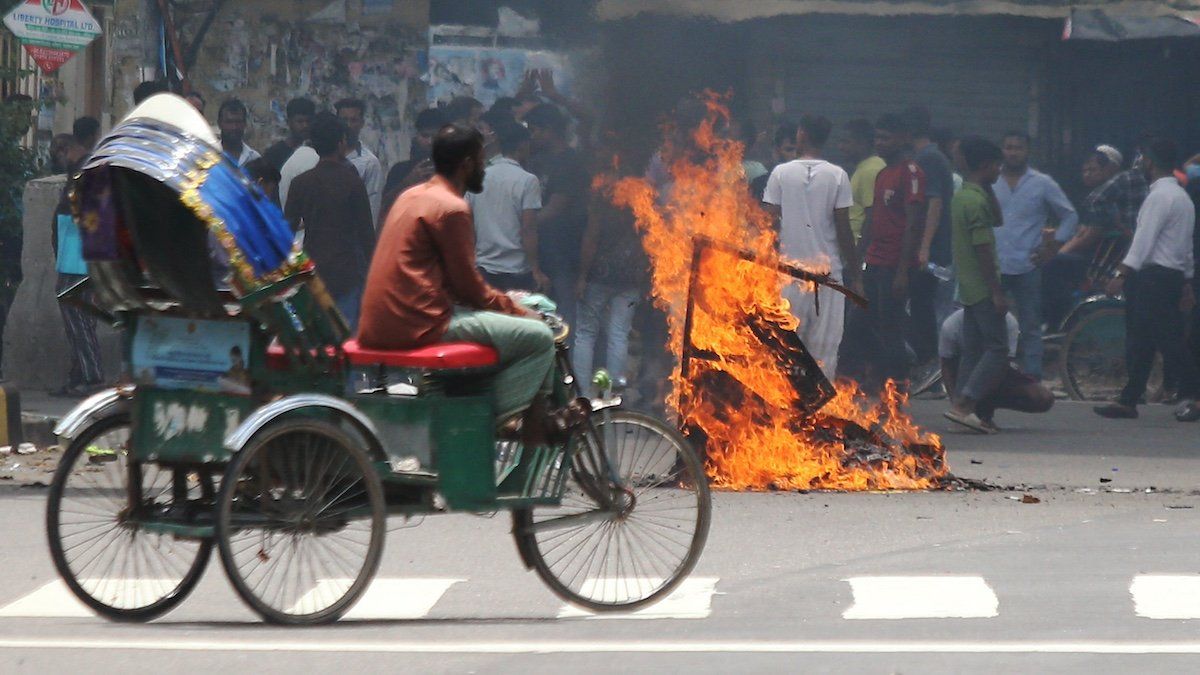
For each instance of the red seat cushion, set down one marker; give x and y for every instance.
(440, 356)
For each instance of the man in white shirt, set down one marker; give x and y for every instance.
(302, 160)
(1156, 279)
(506, 242)
(353, 111)
(812, 199)
(231, 120)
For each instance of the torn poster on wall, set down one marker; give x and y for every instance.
(488, 73)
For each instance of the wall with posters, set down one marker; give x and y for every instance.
(488, 73)
(269, 51)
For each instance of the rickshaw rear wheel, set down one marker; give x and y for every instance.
(301, 522)
(112, 564)
(651, 539)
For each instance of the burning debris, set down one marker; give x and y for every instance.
(746, 384)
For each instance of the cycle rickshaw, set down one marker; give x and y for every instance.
(255, 426)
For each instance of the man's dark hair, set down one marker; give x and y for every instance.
(978, 152)
(1014, 133)
(326, 132)
(943, 137)
(861, 129)
(816, 129)
(232, 106)
(497, 118)
(356, 103)
(453, 145)
(301, 106)
(147, 89)
(547, 116)
(86, 130)
(261, 169)
(919, 121)
(893, 124)
(1164, 153)
(786, 131)
(430, 118)
(504, 105)
(511, 135)
(459, 109)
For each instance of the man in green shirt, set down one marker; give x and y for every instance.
(858, 148)
(974, 215)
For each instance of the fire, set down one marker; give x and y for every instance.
(739, 397)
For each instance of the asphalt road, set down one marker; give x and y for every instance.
(1095, 577)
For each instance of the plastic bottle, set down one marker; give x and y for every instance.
(942, 273)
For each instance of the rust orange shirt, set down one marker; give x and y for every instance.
(424, 265)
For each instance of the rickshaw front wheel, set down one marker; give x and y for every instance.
(301, 522)
(644, 540)
(100, 526)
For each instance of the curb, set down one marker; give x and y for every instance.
(39, 429)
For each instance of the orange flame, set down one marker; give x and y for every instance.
(755, 437)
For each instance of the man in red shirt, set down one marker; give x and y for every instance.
(875, 337)
(423, 286)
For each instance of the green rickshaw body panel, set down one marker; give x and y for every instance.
(185, 426)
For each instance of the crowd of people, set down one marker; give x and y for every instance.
(966, 254)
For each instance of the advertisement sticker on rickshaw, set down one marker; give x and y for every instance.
(176, 353)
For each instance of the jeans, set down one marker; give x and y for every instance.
(501, 281)
(1155, 324)
(601, 302)
(526, 348)
(1026, 293)
(349, 304)
(562, 292)
(985, 351)
(875, 335)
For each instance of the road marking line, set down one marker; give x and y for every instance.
(691, 599)
(612, 646)
(387, 598)
(51, 600)
(946, 597)
(55, 600)
(1165, 596)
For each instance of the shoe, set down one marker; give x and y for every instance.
(1188, 411)
(989, 426)
(968, 420)
(1116, 411)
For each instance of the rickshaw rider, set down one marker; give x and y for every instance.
(423, 285)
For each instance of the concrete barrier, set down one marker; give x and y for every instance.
(36, 355)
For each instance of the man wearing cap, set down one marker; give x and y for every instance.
(1107, 216)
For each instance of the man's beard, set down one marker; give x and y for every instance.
(475, 181)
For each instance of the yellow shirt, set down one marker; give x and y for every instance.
(862, 188)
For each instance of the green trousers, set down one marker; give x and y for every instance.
(526, 348)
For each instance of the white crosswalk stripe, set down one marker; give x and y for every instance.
(932, 597)
(1164, 596)
(393, 599)
(691, 599)
(53, 600)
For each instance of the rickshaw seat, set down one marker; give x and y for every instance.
(440, 356)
